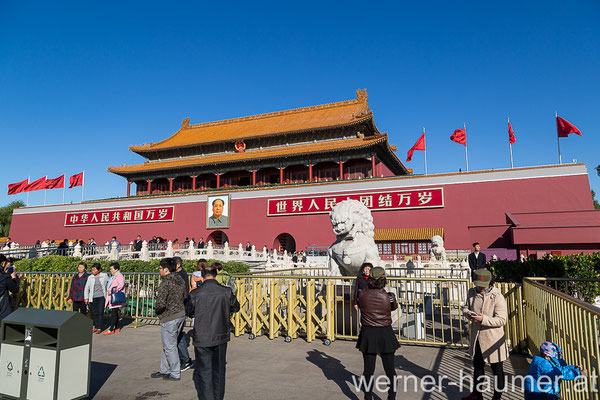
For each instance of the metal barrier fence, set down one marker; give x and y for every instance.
(573, 324)
(294, 306)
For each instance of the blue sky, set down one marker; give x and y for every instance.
(80, 82)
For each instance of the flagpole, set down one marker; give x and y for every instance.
(45, 196)
(558, 141)
(510, 145)
(466, 156)
(425, 143)
(64, 178)
(28, 179)
(82, 184)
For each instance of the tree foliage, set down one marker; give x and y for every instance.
(596, 203)
(583, 266)
(6, 213)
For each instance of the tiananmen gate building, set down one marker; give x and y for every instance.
(271, 179)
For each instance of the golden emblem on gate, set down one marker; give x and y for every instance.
(240, 146)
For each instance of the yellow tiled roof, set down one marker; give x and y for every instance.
(407, 234)
(300, 119)
(347, 144)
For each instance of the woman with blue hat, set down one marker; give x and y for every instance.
(547, 371)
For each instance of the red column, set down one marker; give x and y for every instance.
(128, 188)
(373, 166)
(280, 174)
(149, 186)
(170, 185)
(194, 182)
(218, 180)
(253, 177)
(341, 170)
(310, 177)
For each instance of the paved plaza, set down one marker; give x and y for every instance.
(271, 369)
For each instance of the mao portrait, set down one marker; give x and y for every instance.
(217, 212)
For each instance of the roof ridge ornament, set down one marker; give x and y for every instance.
(185, 124)
(364, 110)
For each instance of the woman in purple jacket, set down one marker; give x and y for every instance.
(361, 282)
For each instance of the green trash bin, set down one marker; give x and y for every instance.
(45, 354)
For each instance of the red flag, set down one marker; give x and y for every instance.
(564, 127)
(56, 183)
(459, 136)
(420, 145)
(76, 180)
(18, 187)
(36, 185)
(511, 135)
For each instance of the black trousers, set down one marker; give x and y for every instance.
(209, 372)
(79, 306)
(369, 360)
(114, 318)
(97, 308)
(479, 372)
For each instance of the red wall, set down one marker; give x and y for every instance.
(466, 204)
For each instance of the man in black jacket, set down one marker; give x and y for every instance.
(9, 282)
(137, 243)
(476, 258)
(211, 305)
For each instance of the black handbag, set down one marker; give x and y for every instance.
(117, 298)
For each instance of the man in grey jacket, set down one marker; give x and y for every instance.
(211, 304)
(170, 295)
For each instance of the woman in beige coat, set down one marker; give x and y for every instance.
(486, 308)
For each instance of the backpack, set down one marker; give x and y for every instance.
(196, 277)
(225, 279)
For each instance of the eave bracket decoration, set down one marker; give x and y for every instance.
(364, 110)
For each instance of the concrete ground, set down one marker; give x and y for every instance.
(272, 369)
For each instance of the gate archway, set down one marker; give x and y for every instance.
(218, 238)
(285, 241)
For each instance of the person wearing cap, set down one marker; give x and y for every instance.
(542, 381)
(486, 309)
(376, 334)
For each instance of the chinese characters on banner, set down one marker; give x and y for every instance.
(125, 216)
(399, 200)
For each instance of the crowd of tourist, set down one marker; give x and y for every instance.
(208, 296)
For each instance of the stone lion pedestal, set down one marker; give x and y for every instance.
(352, 224)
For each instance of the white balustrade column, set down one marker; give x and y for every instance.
(209, 250)
(114, 252)
(169, 252)
(77, 251)
(192, 251)
(145, 253)
(226, 254)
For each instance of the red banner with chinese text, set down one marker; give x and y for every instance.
(397, 200)
(122, 216)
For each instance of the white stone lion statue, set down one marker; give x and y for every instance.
(437, 250)
(352, 223)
